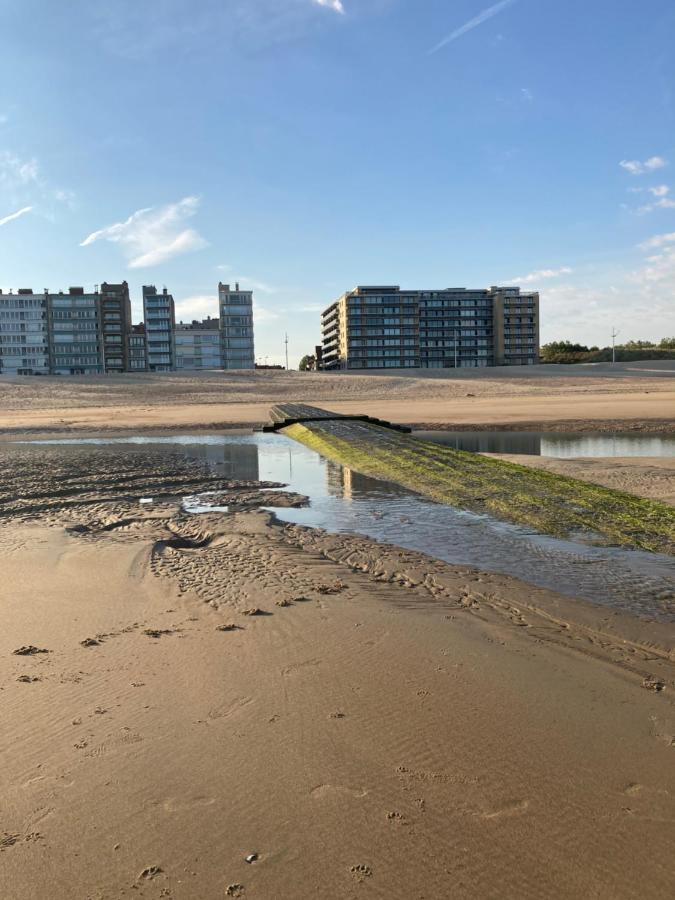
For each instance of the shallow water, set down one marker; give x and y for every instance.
(344, 501)
(540, 443)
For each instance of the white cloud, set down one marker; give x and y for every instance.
(472, 23)
(154, 235)
(635, 167)
(526, 95)
(660, 191)
(662, 203)
(15, 215)
(335, 5)
(659, 240)
(542, 275)
(198, 307)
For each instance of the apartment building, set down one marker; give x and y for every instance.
(236, 327)
(116, 326)
(160, 322)
(137, 357)
(198, 345)
(382, 326)
(75, 333)
(24, 334)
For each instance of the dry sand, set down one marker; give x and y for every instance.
(401, 729)
(635, 396)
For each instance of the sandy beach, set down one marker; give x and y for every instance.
(624, 397)
(181, 693)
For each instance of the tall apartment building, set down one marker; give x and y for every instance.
(383, 326)
(236, 327)
(137, 354)
(116, 313)
(75, 333)
(24, 336)
(198, 345)
(160, 322)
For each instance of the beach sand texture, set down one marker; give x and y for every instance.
(366, 721)
(628, 396)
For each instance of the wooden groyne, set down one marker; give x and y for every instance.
(286, 414)
(550, 503)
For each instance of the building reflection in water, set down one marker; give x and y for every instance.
(347, 484)
(235, 461)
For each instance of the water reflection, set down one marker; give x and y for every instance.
(342, 500)
(539, 443)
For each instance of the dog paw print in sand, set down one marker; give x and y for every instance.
(396, 818)
(28, 679)
(235, 890)
(361, 872)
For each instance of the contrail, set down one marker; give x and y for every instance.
(15, 215)
(473, 23)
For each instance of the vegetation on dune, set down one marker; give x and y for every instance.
(553, 504)
(630, 351)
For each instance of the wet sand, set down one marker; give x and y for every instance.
(385, 725)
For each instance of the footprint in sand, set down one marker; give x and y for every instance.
(361, 872)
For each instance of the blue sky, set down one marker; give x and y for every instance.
(303, 147)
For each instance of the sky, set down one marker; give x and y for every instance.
(302, 147)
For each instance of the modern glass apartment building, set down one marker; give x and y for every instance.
(75, 333)
(160, 321)
(24, 337)
(382, 326)
(198, 345)
(236, 327)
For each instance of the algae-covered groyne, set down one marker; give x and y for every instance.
(553, 504)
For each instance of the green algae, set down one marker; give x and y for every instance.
(550, 503)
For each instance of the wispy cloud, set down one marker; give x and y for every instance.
(659, 240)
(254, 285)
(542, 275)
(17, 173)
(152, 236)
(15, 215)
(663, 201)
(335, 5)
(472, 23)
(261, 314)
(636, 167)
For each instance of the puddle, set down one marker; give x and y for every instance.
(540, 443)
(344, 501)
